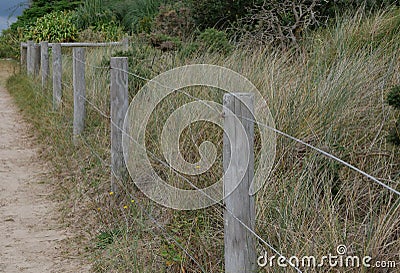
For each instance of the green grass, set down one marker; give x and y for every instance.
(331, 93)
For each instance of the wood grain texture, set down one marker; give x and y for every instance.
(79, 82)
(240, 252)
(44, 61)
(119, 107)
(57, 76)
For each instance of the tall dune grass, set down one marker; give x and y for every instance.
(331, 94)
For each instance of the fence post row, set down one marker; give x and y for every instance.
(119, 107)
(240, 252)
(44, 60)
(79, 83)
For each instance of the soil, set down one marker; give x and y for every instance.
(31, 236)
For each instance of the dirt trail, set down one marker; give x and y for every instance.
(30, 235)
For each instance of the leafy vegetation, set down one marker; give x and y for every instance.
(25, 27)
(215, 40)
(39, 8)
(57, 26)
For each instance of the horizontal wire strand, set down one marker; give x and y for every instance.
(165, 233)
(278, 132)
(199, 189)
(256, 122)
(211, 198)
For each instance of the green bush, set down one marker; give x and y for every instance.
(213, 40)
(57, 26)
(39, 8)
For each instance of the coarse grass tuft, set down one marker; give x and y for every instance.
(331, 93)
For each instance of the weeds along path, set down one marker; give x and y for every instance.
(30, 236)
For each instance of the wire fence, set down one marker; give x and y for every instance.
(165, 164)
(263, 242)
(331, 156)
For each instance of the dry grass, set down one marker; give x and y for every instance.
(330, 94)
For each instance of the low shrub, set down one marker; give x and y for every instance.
(57, 26)
(215, 41)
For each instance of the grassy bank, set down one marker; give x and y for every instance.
(330, 93)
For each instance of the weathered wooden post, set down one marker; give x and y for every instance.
(125, 44)
(29, 62)
(35, 59)
(23, 52)
(44, 60)
(79, 92)
(57, 76)
(119, 107)
(240, 252)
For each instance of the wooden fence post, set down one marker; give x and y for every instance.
(125, 44)
(240, 252)
(35, 59)
(44, 60)
(79, 91)
(23, 51)
(57, 76)
(119, 107)
(29, 63)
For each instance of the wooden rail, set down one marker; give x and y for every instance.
(122, 43)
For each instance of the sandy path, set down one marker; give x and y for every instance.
(29, 231)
